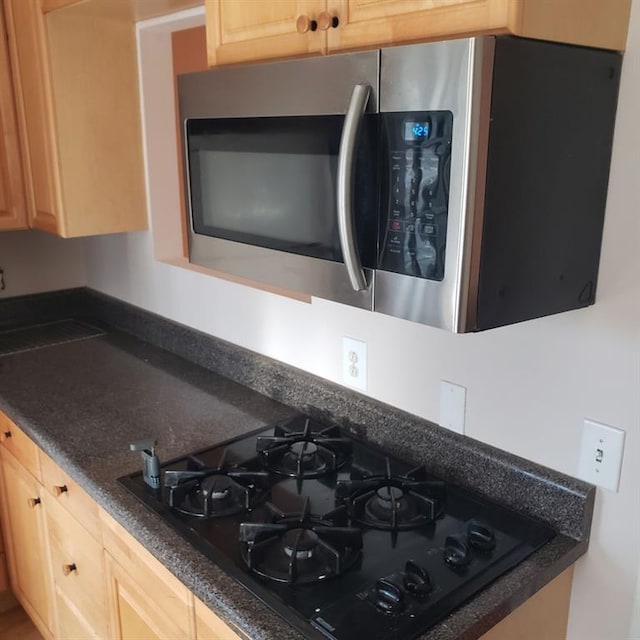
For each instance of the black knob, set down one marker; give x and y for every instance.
(335, 21)
(417, 580)
(456, 551)
(313, 25)
(388, 596)
(7, 434)
(480, 536)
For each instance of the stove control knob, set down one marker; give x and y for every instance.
(456, 551)
(417, 580)
(481, 536)
(388, 596)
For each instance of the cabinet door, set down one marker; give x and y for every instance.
(27, 42)
(145, 600)
(77, 567)
(244, 31)
(23, 522)
(75, 69)
(210, 627)
(136, 613)
(13, 208)
(366, 23)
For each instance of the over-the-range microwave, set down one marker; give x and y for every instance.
(459, 184)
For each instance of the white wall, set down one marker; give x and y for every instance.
(26, 257)
(529, 386)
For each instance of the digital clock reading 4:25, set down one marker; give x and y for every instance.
(416, 130)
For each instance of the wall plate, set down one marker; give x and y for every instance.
(601, 454)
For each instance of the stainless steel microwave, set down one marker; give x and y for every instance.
(459, 184)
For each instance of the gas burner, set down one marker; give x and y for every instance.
(300, 548)
(394, 503)
(306, 453)
(214, 492)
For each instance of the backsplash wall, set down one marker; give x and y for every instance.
(529, 386)
(27, 259)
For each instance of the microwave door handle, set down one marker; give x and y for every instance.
(346, 222)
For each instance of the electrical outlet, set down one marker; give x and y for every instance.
(453, 401)
(354, 363)
(601, 454)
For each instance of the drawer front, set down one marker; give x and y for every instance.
(77, 566)
(20, 445)
(67, 493)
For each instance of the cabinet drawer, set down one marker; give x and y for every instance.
(67, 492)
(77, 566)
(168, 605)
(20, 445)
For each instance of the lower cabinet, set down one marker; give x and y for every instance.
(163, 611)
(77, 573)
(26, 542)
(77, 568)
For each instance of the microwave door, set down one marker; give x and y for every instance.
(263, 188)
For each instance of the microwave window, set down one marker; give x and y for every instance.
(269, 182)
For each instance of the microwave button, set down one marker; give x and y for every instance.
(395, 225)
(429, 229)
(411, 227)
(396, 238)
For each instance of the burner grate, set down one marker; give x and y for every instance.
(300, 548)
(304, 454)
(392, 502)
(214, 492)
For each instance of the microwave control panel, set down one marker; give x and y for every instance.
(413, 224)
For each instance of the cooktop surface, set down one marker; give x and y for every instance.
(338, 537)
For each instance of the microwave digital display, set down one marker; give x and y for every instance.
(416, 131)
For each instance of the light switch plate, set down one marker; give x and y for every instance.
(453, 400)
(601, 454)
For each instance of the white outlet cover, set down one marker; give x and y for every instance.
(601, 454)
(354, 363)
(453, 401)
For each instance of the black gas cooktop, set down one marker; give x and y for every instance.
(339, 538)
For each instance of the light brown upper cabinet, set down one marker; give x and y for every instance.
(364, 23)
(13, 208)
(75, 74)
(244, 31)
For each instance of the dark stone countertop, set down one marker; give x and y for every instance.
(83, 402)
